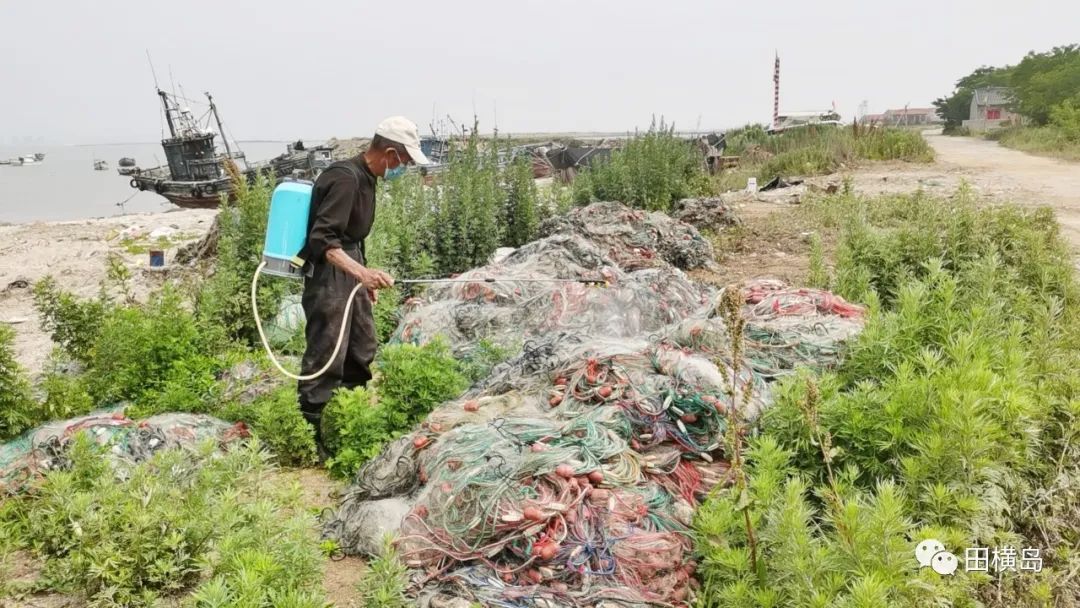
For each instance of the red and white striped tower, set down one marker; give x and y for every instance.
(776, 93)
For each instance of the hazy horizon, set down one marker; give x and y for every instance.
(279, 72)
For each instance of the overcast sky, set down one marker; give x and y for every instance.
(75, 71)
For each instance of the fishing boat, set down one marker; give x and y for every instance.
(198, 175)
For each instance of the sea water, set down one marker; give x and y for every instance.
(65, 185)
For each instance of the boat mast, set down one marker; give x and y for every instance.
(168, 115)
(221, 129)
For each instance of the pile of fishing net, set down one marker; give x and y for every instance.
(633, 238)
(570, 475)
(786, 327)
(46, 448)
(574, 484)
(711, 213)
(520, 305)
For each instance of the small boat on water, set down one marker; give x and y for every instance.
(28, 159)
(197, 175)
(126, 166)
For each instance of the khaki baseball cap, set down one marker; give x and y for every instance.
(401, 130)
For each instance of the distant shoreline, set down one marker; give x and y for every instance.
(155, 143)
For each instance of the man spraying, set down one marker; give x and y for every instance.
(342, 212)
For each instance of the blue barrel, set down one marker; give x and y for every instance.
(286, 228)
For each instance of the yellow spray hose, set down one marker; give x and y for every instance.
(266, 345)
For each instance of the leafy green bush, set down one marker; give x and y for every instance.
(383, 585)
(468, 208)
(410, 381)
(17, 408)
(522, 208)
(184, 521)
(952, 417)
(66, 396)
(1066, 116)
(652, 171)
(72, 323)
(141, 349)
(356, 429)
(385, 312)
(276, 419)
(223, 301)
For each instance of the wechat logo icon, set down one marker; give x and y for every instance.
(932, 553)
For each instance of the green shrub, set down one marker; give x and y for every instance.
(223, 300)
(953, 409)
(414, 379)
(386, 313)
(468, 208)
(183, 521)
(276, 420)
(742, 140)
(17, 408)
(818, 274)
(383, 585)
(356, 429)
(1066, 117)
(521, 216)
(141, 349)
(410, 381)
(66, 396)
(652, 171)
(72, 323)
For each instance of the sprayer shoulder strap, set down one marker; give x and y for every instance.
(305, 253)
(348, 164)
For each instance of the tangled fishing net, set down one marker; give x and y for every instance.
(508, 312)
(45, 448)
(711, 213)
(633, 238)
(570, 475)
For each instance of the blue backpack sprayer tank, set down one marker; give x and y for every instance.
(286, 234)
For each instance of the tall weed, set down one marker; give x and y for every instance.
(652, 171)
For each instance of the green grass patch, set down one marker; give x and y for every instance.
(206, 527)
(1050, 140)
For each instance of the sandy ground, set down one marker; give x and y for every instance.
(74, 253)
